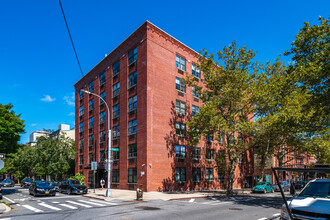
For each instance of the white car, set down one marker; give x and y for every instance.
(284, 184)
(312, 203)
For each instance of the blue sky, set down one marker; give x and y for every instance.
(37, 64)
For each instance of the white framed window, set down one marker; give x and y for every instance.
(180, 63)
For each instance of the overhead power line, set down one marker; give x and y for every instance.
(74, 49)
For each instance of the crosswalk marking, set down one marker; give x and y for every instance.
(191, 200)
(92, 203)
(49, 206)
(32, 208)
(276, 214)
(262, 219)
(56, 202)
(104, 202)
(76, 203)
(68, 206)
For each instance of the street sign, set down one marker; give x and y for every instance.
(2, 156)
(114, 149)
(2, 164)
(106, 166)
(94, 165)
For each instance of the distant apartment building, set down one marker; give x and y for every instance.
(63, 129)
(141, 81)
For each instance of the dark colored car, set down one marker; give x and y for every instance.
(26, 182)
(41, 188)
(7, 182)
(0, 192)
(56, 185)
(300, 184)
(72, 187)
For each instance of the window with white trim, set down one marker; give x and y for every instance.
(194, 110)
(180, 107)
(196, 71)
(180, 85)
(180, 63)
(180, 151)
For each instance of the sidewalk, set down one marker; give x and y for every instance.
(121, 195)
(4, 208)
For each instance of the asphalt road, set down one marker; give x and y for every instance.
(62, 206)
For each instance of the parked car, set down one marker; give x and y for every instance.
(7, 182)
(263, 187)
(55, 185)
(312, 203)
(284, 184)
(300, 184)
(26, 182)
(0, 192)
(41, 188)
(72, 187)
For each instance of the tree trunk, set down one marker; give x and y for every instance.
(231, 176)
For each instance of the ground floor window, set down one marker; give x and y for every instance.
(180, 174)
(196, 174)
(132, 177)
(209, 174)
(115, 176)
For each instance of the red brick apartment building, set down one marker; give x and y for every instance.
(140, 81)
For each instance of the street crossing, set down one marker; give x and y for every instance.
(66, 205)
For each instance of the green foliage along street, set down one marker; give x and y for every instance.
(51, 156)
(11, 126)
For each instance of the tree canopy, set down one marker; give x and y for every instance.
(11, 126)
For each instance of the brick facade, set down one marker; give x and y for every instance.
(156, 116)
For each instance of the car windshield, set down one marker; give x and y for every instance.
(42, 183)
(75, 181)
(6, 181)
(54, 183)
(317, 189)
(28, 180)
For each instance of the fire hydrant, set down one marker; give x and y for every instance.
(139, 194)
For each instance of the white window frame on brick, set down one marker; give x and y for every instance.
(180, 85)
(195, 92)
(194, 110)
(196, 71)
(180, 129)
(180, 151)
(196, 153)
(180, 63)
(180, 107)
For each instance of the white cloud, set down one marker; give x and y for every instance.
(47, 98)
(71, 114)
(69, 99)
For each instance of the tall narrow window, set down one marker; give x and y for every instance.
(102, 95)
(81, 143)
(102, 136)
(91, 86)
(180, 63)
(196, 153)
(221, 138)
(91, 122)
(115, 176)
(132, 103)
(132, 127)
(90, 158)
(132, 151)
(209, 174)
(81, 160)
(81, 127)
(116, 111)
(194, 110)
(116, 68)
(91, 141)
(132, 175)
(116, 89)
(180, 151)
(102, 78)
(102, 117)
(91, 104)
(196, 71)
(116, 132)
(180, 174)
(180, 129)
(81, 110)
(195, 92)
(196, 174)
(102, 156)
(132, 56)
(209, 154)
(180, 107)
(132, 80)
(81, 94)
(180, 85)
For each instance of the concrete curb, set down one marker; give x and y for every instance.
(4, 208)
(195, 197)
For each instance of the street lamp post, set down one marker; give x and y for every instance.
(108, 194)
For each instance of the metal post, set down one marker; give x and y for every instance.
(94, 180)
(108, 194)
(282, 193)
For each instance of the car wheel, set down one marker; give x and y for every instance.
(265, 191)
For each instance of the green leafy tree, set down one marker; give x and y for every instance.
(228, 104)
(11, 126)
(80, 177)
